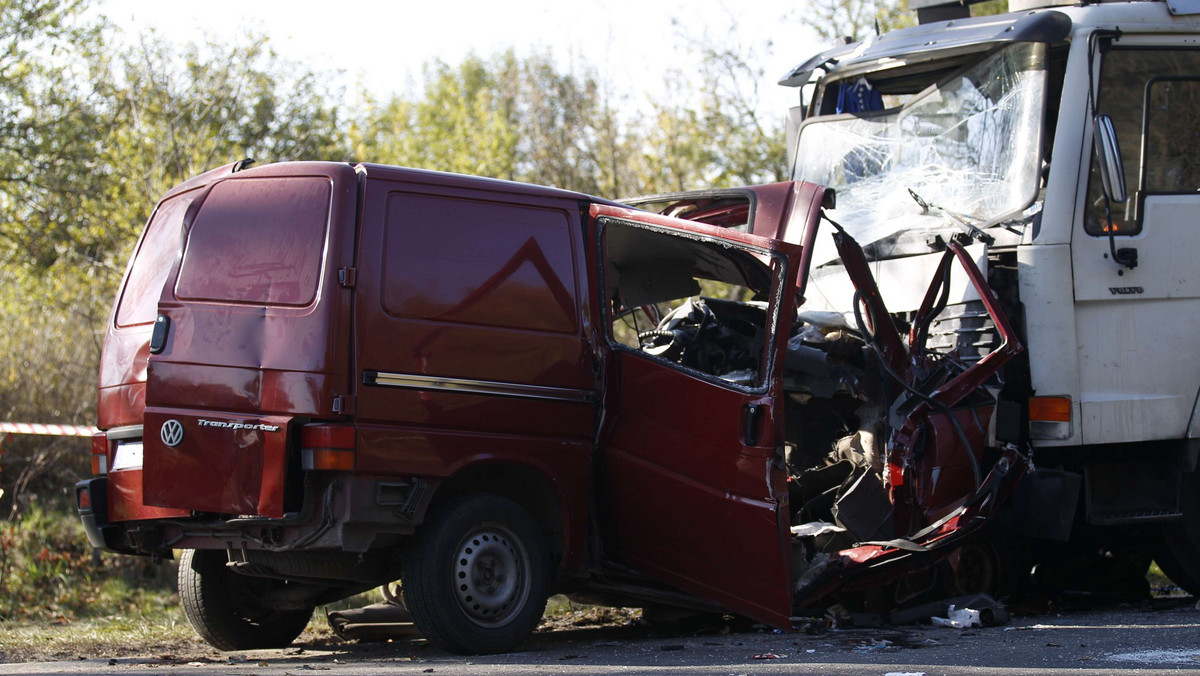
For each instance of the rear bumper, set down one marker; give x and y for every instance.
(340, 512)
(101, 533)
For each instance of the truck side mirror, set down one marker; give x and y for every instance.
(1108, 156)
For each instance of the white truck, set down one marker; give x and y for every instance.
(1065, 141)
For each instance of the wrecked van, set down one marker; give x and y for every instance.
(319, 378)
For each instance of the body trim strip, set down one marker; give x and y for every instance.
(469, 386)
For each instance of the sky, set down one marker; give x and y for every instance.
(382, 45)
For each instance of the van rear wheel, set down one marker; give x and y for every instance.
(226, 609)
(475, 580)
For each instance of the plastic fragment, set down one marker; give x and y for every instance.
(959, 618)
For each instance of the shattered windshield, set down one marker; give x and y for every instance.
(968, 146)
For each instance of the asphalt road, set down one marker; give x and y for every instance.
(1125, 642)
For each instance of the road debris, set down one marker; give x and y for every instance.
(959, 618)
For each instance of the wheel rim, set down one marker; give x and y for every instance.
(490, 572)
(976, 572)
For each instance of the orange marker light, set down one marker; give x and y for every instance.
(327, 447)
(1050, 409)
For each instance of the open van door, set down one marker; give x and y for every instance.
(691, 475)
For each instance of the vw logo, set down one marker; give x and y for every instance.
(171, 433)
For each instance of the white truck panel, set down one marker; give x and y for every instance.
(902, 282)
(1045, 282)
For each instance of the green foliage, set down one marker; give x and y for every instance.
(459, 125)
(527, 120)
(183, 110)
(51, 341)
(857, 19)
(49, 572)
(90, 137)
(989, 8)
(723, 139)
(50, 127)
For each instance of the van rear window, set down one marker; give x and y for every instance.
(258, 240)
(152, 263)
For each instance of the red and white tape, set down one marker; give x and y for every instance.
(48, 430)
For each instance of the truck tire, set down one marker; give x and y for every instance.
(224, 608)
(1179, 552)
(476, 577)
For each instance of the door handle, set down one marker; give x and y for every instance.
(750, 416)
(158, 336)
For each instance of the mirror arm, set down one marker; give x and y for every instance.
(1126, 256)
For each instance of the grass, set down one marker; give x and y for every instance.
(59, 599)
(97, 637)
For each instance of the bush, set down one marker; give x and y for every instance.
(49, 572)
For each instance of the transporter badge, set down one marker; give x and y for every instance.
(171, 433)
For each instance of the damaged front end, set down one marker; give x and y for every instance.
(897, 450)
(932, 455)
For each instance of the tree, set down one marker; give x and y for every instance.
(856, 19)
(91, 137)
(51, 124)
(711, 132)
(460, 124)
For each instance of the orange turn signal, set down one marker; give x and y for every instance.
(327, 447)
(1050, 409)
(328, 458)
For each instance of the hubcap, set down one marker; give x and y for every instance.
(490, 573)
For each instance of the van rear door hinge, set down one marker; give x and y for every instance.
(343, 404)
(347, 276)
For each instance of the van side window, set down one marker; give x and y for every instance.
(481, 263)
(153, 261)
(1157, 90)
(699, 305)
(259, 241)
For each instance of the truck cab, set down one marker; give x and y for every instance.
(1061, 140)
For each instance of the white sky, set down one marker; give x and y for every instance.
(383, 45)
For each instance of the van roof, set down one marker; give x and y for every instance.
(477, 182)
(385, 171)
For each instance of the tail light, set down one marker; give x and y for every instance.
(99, 454)
(328, 447)
(83, 499)
(1050, 417)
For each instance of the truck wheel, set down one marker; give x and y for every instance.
(475, 579)
(1179, 553)
(225, 607)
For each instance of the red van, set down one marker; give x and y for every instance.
(319, 378)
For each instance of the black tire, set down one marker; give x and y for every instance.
(991, 564)
(1179, 553)
(225, 607)
(476, 577)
